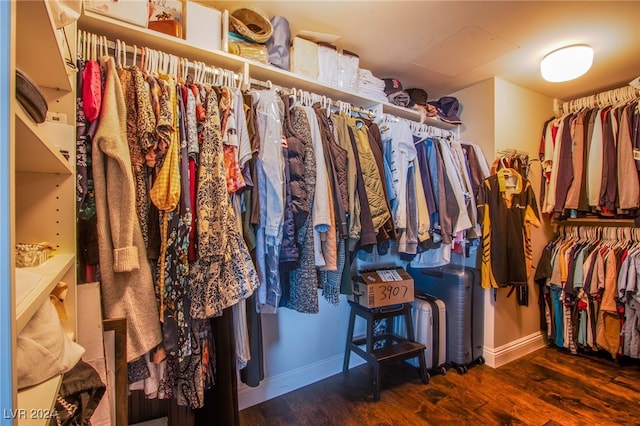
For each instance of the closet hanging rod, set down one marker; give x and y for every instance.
(286, 91)
(609, 97)
(424, 128)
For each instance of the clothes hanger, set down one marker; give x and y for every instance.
(233, 80)
(116, 53)
(83, 44)
(225, 78)
(104, 46)
(176, 67)
(184, 67)
(194, 72)
(293, 96)
(217, 81)
(151, 58)
(124, 54)
(229, 78)
(80, 44)
(156, 62)
(163, 64)
(144, 60)
(92, 47)
(198, 71)
(135, 56)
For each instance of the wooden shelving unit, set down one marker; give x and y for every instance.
(42, 191)
(52, 271)
(30, 409)
(35, 152)
(599, 221)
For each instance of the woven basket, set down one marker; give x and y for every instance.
(251, 24)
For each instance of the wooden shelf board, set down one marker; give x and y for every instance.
(35, 404)
(287, 79)
(142, 37)
(597, 221)
(38, 52)
(34, 150)
(53, 270)
(132, 34)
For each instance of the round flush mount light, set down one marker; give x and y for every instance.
(566, 63)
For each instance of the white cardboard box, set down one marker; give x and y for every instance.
(203, 26)
(132, 11)
(304, 58)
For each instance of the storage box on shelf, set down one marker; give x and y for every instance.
(203, 26)
(132, 11)
(382, 287)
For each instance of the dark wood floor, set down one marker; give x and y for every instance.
(546, 387)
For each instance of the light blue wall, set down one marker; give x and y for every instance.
(292, 340)
(6, 74)
(300, 349)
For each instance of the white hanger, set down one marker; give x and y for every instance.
(234, 79)
(196, 72)
(104, 46)
(156, 61)
(329, 105)
(165, 63)
(92, 47)
(148, 61)
(135, 55)
(174, 68)
(79, 44)
(144, 60)
(124, 54)
(84, 41)
(116, 53)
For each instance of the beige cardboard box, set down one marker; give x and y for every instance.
(383, 287)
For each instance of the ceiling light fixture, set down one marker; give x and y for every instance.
(566, 63)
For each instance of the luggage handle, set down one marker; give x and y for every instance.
(432, 272)
(391, 308)
(422, 296)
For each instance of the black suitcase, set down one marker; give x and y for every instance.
(459, 287)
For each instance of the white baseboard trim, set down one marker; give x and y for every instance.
(496, 357)
(288, 381)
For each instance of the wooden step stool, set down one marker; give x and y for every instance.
(397, 348)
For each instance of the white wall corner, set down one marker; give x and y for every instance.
(496, 357)
(280, 384)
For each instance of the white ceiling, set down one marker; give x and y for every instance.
(444, 46)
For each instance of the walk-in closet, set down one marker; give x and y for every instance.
(304, 212)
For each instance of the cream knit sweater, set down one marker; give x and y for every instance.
(126, 280)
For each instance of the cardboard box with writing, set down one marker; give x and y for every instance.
(383, 287)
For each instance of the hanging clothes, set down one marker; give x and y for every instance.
(303, 295)
(591, 273)
(125, 274)
(223, 273)
(270, 173)
(506, 204)
(588, 155)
